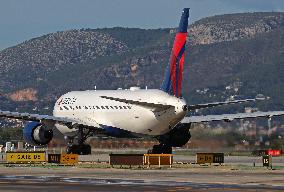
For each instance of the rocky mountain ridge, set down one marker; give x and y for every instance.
(221, 51)
(232, 27)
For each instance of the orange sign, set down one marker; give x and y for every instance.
(69, 159)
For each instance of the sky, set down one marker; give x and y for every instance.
(22, 20)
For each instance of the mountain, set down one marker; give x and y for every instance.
(235, 55)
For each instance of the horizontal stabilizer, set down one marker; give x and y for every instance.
(230, 117)
(156, 107)
(208, 105)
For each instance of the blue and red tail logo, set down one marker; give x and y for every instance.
(173, 76)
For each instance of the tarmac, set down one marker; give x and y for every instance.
(238, 174)
(230, 160)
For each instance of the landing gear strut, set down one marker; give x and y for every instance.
(80, 148)
(161, 149)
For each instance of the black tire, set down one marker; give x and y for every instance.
(79, 149)
(72, 149)
(85, 150)
(69, 150)
(156, 149)
(167, 149)
(161, 149)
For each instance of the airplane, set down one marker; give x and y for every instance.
(158, 113)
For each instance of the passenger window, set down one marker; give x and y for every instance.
(124, 107)
(120, 107)
(106, 107)
(102, 107)
(111, 107)
(128, 107)
(116, 107)
(97, 107)
(65, 107)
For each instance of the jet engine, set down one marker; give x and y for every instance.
(36, 133)
(177, 137)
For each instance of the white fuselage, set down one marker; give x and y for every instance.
(88, 107)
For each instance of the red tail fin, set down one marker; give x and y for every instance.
(173, 77)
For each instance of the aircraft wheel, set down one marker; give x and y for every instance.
(86, 150)
(156, 149)
(167, 149)
(161, 149)
(79, 149)
(72, 149)
(69, 150)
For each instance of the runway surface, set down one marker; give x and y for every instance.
(32, 183)
(192, 178)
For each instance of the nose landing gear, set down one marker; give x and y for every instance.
(80, 148)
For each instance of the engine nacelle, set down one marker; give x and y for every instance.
(36, 134)
(177, 137)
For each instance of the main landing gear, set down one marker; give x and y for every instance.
(161, 149)
(80, 148)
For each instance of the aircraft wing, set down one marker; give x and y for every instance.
(46, 118)
(214, 104)
(157, 107)
(230, 117)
